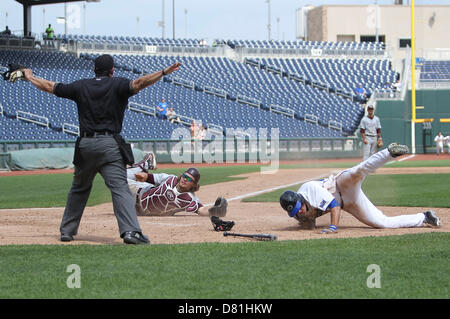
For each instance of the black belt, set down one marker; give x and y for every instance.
(371, 135)
(95, 134)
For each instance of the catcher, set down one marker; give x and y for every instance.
(165, 195)
(343, 191)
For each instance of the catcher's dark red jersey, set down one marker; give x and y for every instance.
(163, 198)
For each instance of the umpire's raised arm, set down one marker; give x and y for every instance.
(149, 79)
(41, 84)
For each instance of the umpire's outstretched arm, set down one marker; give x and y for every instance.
(149, 79)
(41, 84)
(138, 84)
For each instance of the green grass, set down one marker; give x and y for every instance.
(412, 190)
(27, 191)
(51, 190)
(411, 266)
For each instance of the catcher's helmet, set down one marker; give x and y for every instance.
(194, 173)
(291, 202)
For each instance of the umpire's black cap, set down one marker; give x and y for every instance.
(103, 63)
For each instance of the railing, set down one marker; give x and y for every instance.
(311, 118)
(33, 118)
(248, 100)
(215, 91)
(186, 83)
(335, 125)
(141, 108)
(281, 110)
(71, 129)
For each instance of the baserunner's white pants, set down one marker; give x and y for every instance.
(355, 202)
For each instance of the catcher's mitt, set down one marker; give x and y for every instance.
(14, 73)
(221, 225)
(220, 207)
(379, 143)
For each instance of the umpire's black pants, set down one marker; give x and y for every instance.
(100, 155)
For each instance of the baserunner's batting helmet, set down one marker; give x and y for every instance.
(291, 202)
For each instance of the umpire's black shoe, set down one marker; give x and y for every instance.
(135, 238)
(65, 237)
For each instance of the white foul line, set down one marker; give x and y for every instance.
(402, 159)
(276, 188)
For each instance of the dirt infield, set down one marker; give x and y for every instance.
(99, 226)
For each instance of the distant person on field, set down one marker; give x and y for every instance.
(370, 129)
(439, 139)
(447, 141)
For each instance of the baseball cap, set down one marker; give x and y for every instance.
(104, 62)
(370, 107)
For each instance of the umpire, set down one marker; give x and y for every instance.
(101, 104)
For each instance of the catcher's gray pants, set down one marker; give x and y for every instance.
(100, 155)
(370, 148)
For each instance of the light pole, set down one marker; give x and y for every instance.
(268, 22)
(163, 20)
(137, 26)
(185, 23)
(173, 18)
(376, 21)
(278, 29)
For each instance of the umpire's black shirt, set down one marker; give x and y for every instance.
(101, 102)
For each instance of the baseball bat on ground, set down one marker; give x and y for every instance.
(254, 236)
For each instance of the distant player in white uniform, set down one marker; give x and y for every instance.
(343, 191)
(447, 141)
(439, 139)
(370, 129)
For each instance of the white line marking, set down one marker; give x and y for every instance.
(401, 160)
(277, 187)
(407, 158)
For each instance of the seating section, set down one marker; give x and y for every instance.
(340, 74)
(435, 71)
(251, 44)
(217, 91)
(324, 45)
(238, 79)
(130, 40)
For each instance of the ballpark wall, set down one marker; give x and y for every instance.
(396, 116)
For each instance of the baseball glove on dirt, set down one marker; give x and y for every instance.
(220, 207)
(221, 225)
(14, 73)
(379, 143)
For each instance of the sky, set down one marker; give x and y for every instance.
(196, 19)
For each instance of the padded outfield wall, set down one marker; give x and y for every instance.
(396, 116)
